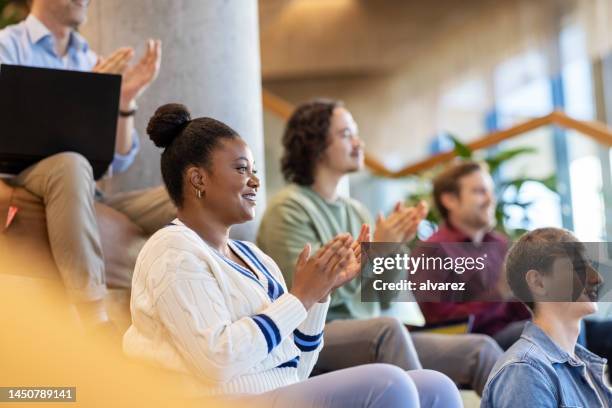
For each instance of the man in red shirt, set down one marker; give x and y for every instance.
(463, 194)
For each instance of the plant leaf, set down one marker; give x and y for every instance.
(461, 149)
(549, 182)
(498, 158)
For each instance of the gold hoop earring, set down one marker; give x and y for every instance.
(199, 193)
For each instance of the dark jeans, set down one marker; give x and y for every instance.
(599, 339)
(509, 334)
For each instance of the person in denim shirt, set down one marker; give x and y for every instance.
(48, 38)
(546, 367)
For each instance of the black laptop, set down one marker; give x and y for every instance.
(48, 111)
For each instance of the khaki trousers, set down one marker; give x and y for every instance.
(65, 184)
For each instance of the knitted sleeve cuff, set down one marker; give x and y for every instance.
(280, 319)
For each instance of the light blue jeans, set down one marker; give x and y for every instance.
(370, 385)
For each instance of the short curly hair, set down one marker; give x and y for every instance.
(305, 139)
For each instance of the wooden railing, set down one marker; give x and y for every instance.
(595, 130)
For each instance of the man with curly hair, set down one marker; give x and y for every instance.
(321, 147)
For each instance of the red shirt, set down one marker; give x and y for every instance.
(490, 316)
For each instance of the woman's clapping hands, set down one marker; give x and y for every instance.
(331, 267)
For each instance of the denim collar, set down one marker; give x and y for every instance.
(556, 354)
(38, 32)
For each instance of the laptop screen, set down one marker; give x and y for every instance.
(48, 111)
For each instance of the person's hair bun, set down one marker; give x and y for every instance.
(167, 123)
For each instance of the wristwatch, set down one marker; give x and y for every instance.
(128, 113)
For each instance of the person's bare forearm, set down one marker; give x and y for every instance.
(125, 129)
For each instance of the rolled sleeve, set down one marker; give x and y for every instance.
(121, 162)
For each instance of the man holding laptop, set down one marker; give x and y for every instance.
(65, 181)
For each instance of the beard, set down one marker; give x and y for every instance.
(347, 166)
(482, 220)
(75, 22)
(356, 163)
(74, 15)
(353, 168)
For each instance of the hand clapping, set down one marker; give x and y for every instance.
(316, 276)
(401, 225)
(136, 78)
(355, 267)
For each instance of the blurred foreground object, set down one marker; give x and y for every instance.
(41, 346)
(25, 252)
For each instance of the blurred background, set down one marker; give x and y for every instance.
(418, 74)
(419, 78)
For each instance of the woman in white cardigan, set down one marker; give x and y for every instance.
(218, 311)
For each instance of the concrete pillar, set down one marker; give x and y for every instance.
(210, 63)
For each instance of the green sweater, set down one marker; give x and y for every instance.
(296, 216)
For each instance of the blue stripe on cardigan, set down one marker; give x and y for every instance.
(269, 330)
(291, 363)
(275, 289)
(307, 342)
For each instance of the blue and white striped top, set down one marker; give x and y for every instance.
(234, 330)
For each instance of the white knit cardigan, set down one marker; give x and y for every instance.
(233, 332)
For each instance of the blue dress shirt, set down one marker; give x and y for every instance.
(535, 372)
(30, 43)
